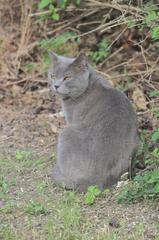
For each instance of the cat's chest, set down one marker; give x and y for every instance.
(85, 110)
(74, 113)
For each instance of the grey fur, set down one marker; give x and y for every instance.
(100, 137)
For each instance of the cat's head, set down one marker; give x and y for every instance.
(68, 76)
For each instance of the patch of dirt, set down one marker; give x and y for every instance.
(30, 120)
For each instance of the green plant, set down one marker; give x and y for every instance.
(44, 3)
(155, 33)
(102, 51)
(70, 210)
(151, 15)
(60, 44)
(150, 19)
(149, 154)
(29, 67)
(23, 155)
(7, 208)
(70, 214)
(145, 151)
(41, 187)
(108, 236)
(155, 153)
(154, 93)
(52, 9)
(3, 184)
(52, 13)
(6, 232)
(152, 157)
(64, 3)
(67, 221)
(92, 193)
(155, 135)
(77, 2)
(14, 181)
(125, 85)
(144, 186)
(155, 112)
(35, 208)
(57, 42)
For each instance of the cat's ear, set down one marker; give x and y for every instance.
(81, 61)
(54, 57)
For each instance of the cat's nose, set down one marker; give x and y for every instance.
(56, 86)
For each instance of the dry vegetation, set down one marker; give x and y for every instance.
(121, 39)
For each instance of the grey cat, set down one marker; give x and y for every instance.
(100, 137)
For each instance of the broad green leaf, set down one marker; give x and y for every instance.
(89, 198)
(154, 93)
(44, 3)
(92, 193)
(155, 135)
(55, 43)
(156, 188)
(155, 152)
(94, 190)
(63, 3)
(151, 17)
(155, 33)
(55, 16)
(78, 2)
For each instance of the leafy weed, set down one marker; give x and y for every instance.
(4, 186)
(22, 155)
(102, 52)
(155, 135)
(145, 186)
(35, 208)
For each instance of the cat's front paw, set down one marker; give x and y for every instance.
(62, 180)
(57, 176)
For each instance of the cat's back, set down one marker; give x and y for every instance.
(111, 116)
(106, 98)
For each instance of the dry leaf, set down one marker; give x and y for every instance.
(139, 99)
(41, 141)
(16, 90)
(54, 128)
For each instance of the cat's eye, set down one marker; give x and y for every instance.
(66, 78)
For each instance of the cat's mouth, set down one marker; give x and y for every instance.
(62, 93)
(60, 89)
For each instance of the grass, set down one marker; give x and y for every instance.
(31, 207)
(6, 232)
(35, 208)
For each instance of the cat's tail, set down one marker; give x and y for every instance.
(132, 160)
(131, 170)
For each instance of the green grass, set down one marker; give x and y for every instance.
(6, 233)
